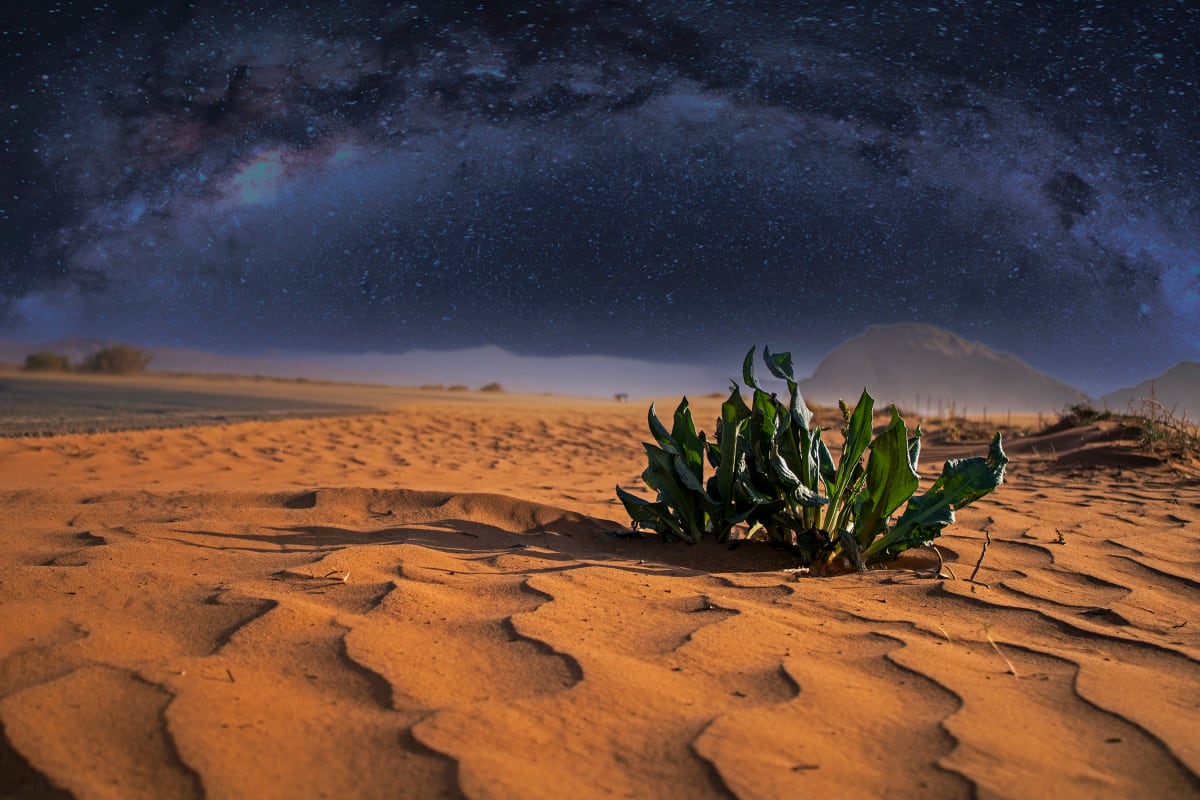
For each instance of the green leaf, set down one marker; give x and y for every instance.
(661, 475)
(732, 426)
(749, 377)
(687, 442)
(825, 464)
(657, 429)
(800, 413)
(655, 516)
(765, 421)
(858, 434)
(781, 472)
(807, 498)
(738, 402)
(963, 481)
(683, 471)
(857, 439)
(780, 364)
(891, 480)
(914, 448)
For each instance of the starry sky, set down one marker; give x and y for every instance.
(667, 180)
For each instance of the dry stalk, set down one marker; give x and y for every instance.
(988, 634)
(939, 573)
(987, 541)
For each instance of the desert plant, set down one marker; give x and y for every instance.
(46, 361)
(1083, 413)
(117, 359)
(774, 477)
(1164, 432)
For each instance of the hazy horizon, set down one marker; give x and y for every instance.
(584, 374)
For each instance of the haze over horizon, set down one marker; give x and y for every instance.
(664, 181)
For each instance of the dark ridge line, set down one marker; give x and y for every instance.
(53, 562)
(1003, 585)
(971, 785)
(378, 687)
(524, 587)
(389, 587)
(574, 668)
(784, 590)
(711, 771)
(19, 780)
(410, 741)
(1090, 580)
(1070, 628)
(1038, 546)
(262, 607)
(1188, 583)
(91, 539)
(1094, 704)
(709, 605)
(791, 680)
(729, 613)
(414, 733)
(168, 738)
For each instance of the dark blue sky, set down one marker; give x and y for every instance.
(668, 180)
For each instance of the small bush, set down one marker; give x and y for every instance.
(1165, 433)
(491, 387)
(771, 475)
(118, 359)
(45, 361)
(1082, 414)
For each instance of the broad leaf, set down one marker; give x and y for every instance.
(780, 364)
(857, 439)
(891, 480)
(687, 442)
(656, 516)
(657, 429)
(962, 482)
(749, 376)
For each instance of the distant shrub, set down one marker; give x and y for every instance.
(118, 359)
(1165, 433)
(491, 387)
(45, 361)
(1083, 413)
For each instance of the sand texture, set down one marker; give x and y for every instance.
(428, 602)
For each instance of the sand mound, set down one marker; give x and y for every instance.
(256, 611)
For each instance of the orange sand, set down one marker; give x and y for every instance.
(426, 603)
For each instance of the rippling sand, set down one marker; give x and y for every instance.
(429, 602)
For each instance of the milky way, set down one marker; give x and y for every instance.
(667, 180)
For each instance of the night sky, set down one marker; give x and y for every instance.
(667, 180)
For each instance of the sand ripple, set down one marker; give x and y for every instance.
(250, 638)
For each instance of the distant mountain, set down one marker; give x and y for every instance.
(923, 369)
(1178, 388)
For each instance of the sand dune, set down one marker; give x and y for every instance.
(429, 602)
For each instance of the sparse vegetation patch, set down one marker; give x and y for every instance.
(117, 359)
(45, 361)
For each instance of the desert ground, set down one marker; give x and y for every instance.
(426, 598)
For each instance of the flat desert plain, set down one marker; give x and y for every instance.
(427, 600)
